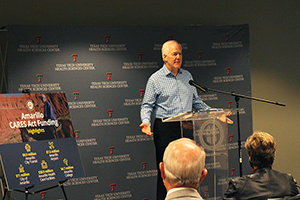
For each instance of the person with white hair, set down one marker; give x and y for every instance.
(182, 169)
(168, 93)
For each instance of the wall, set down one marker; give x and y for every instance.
(274, 46)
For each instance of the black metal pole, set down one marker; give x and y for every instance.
(63, 190)
(239, 135)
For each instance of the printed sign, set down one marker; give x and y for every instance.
(37, 140)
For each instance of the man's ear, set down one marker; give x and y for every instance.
(203, 174)
(164, 57)
(162, 169)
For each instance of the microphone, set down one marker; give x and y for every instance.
(191, 82)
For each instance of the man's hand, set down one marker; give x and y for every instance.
(225, 119)
(146, 129)
(187, 125)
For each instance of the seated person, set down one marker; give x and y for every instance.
(182, 169)
(264, 182)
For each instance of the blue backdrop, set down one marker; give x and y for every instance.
(103, 71)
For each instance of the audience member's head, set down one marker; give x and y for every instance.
(261, 148)
(264, 182)
(43, 97)
(183, 164)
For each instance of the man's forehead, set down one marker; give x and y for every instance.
(175, 47)
(175, 50)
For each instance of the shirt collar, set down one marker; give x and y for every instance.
(256, 168)
(178, 188)
(167, 72)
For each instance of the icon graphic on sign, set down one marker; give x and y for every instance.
(44, 164)
(66, 162)
(21, 169)
(30, 104)
(51, 145)
(27, 147)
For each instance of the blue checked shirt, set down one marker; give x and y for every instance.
(167, 95)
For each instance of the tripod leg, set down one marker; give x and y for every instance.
(63, 190)
(26, 194)
(65, 195)
(5, 191)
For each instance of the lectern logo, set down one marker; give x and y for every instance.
(211, 135)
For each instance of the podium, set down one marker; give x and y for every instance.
(212, 135)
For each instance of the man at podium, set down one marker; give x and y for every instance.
(168, 93)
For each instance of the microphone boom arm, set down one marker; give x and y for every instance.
(237, 98)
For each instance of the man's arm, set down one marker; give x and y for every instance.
(232, 191)
(198, 104)
(147, 108)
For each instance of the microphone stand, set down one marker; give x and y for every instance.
(237, 98)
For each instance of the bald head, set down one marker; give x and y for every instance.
(183, 162)
(166, 47)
